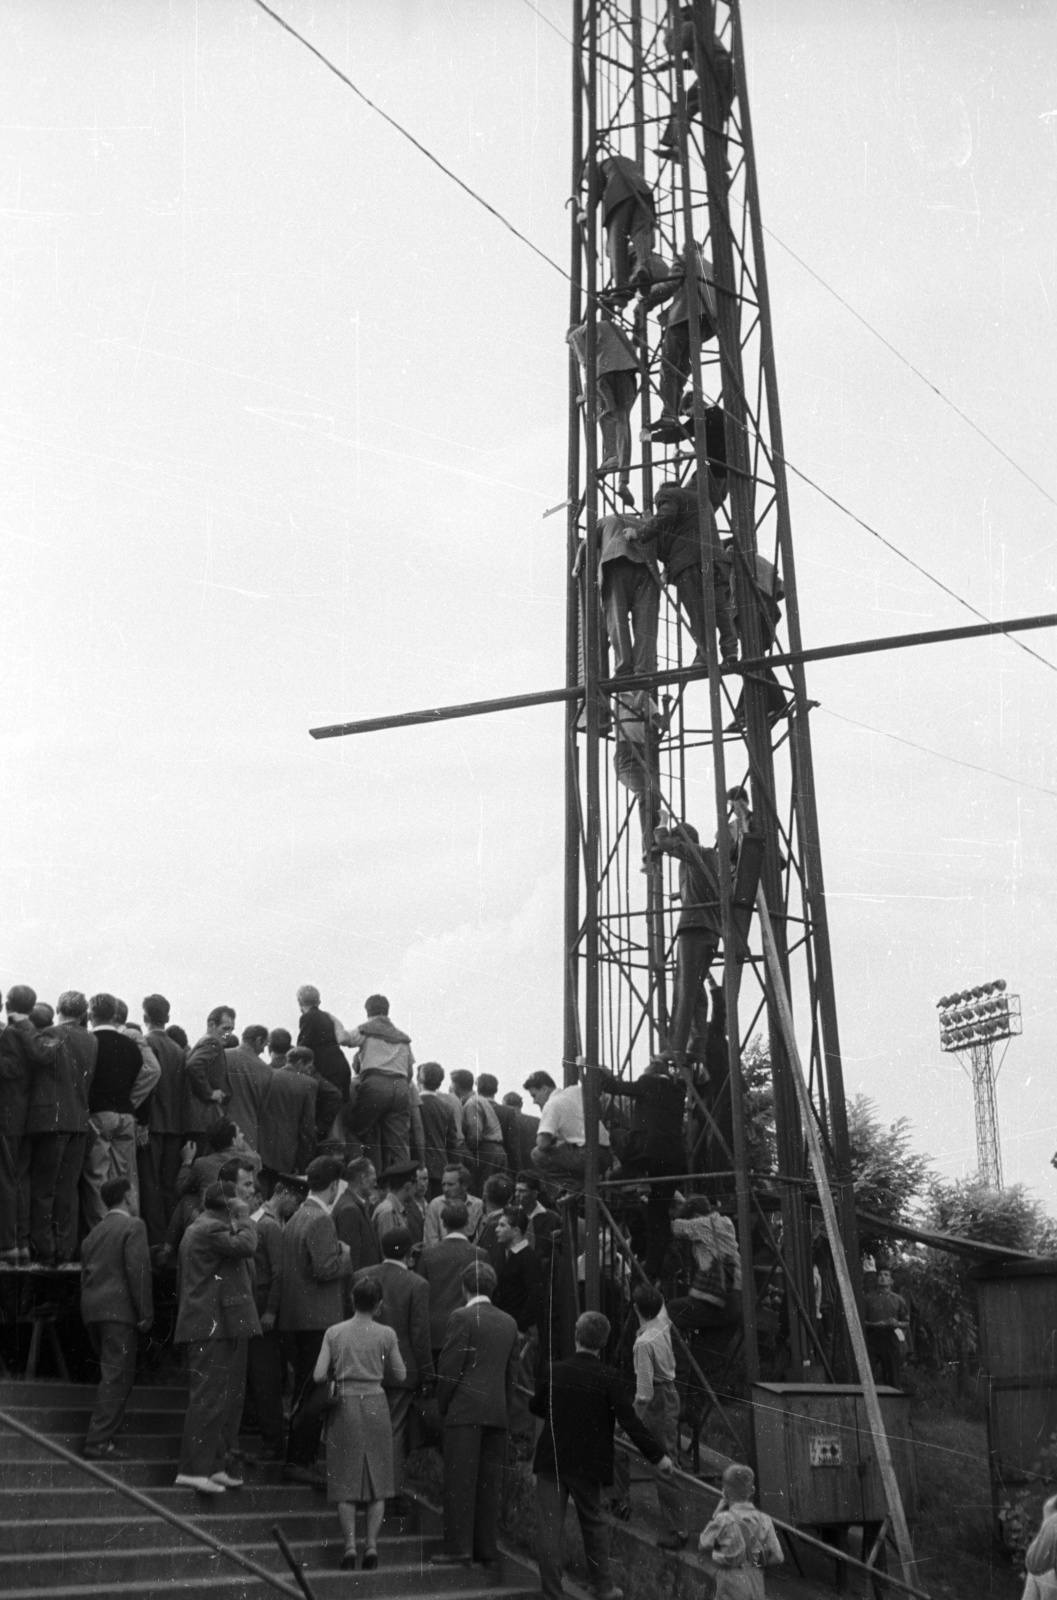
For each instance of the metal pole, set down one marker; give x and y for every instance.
(706, 539)
(571, 1030)
(593, 818)
(829, 1213)
(800, 732)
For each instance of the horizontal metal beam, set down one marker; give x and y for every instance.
(652, 680)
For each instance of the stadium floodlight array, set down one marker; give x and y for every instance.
(983, 1015)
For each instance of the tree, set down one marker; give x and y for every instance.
(887, 1175)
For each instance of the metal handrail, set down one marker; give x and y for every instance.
(90, 1469)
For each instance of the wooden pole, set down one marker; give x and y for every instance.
(829, 1213)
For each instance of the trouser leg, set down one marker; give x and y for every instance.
(675, 365)
(115, 1344)
(617, 237)
(662, 1418)
(67, 1205)
(645, 599)
(616, 606)
(490, 1469)
(587, 1498)
(695, 949)
(209, 1363)
(400, 1423)
(303, 1446)
(40, 1157)
(151, 1201)
(264, 1377)
(94, 1173)
(229, 1428)
(396, 1128)
(462, 1458)
(728, 633)
(551, 1500)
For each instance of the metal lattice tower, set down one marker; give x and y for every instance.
(972, 1022)
(634, 64)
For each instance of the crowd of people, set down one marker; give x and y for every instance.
(362, 1257)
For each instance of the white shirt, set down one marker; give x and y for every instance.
(563, 1117)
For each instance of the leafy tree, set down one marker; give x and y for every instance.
(761, 1148)
(888, 1176)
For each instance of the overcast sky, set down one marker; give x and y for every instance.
(280, 410)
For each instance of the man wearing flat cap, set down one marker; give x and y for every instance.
(391, 1211)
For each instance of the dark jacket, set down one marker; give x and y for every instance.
(115, 1271)
(405, 1309)
(248, 1079)
(508, 1128)
(81, 1051)
(477, 1367)
(204, 1070)
(658, 1102)
(167, 1102)
(355, 1228)
(314, 1270)
(674, 527)
(442, 1266)
(624, 179)
(117, 1066)
(519, 1291)
(444, 1144)
(54, 1104)
(22, 1052)
(698, 882)
(318, 1034)
(287, 1125)
(268, 1264)
(327, 1105)
(527, 1128)
(215, 1282)
(581, 1403)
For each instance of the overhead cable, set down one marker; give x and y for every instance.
(941, 755)
(481, 201)
(927, 381)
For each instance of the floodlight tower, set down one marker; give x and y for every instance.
(972, 1022)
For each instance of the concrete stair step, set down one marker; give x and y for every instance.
(326, 1585)
(48, 1472)
(42, 1392)
(74, 1419)
(30, 1504)
(403, 1564)
(137, 1446)
(139, 1530)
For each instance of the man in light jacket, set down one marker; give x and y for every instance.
(379, 1112)
(216, 1320)
(116, 1307)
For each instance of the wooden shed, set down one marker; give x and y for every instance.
(815, 1459)
(1017, 1314)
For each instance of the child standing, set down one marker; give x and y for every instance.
(740, 1539)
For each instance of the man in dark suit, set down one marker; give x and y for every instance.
(116, 1307)
(22, 1052)
(205, 1076)
(352, 1214)
(440, 1124)
(442, 1265)
(316, 1266)
(287, 1119)
(519, 1289)
(159, 1158)
(404, 1308)
(248, 1078)
(264, 1362)
(43, 1143)
(216, 1320)
(581, 1401)
(71, 1024)
(475, 1384)
(527, 1128)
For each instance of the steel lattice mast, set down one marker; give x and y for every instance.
(619, 922)
(972, 1022)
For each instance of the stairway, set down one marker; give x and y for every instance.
(64, 1535)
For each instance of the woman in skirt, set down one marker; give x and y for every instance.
(360, 1354)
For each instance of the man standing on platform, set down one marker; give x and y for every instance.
(22, 1051)
(116, 1307)
(441, 1122)
(71, 1024)
(122, 1081)
(475, 1384)
(316, 1266)
(581, 1403)
(205, 1076)
(319, 1033)
(217, 1318)
(160, 1158)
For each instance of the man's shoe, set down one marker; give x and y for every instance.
(621, 1509)
(673, 1541)
(105, 1452)
(188, 1480)
(225, 1480)
(442, 1558)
